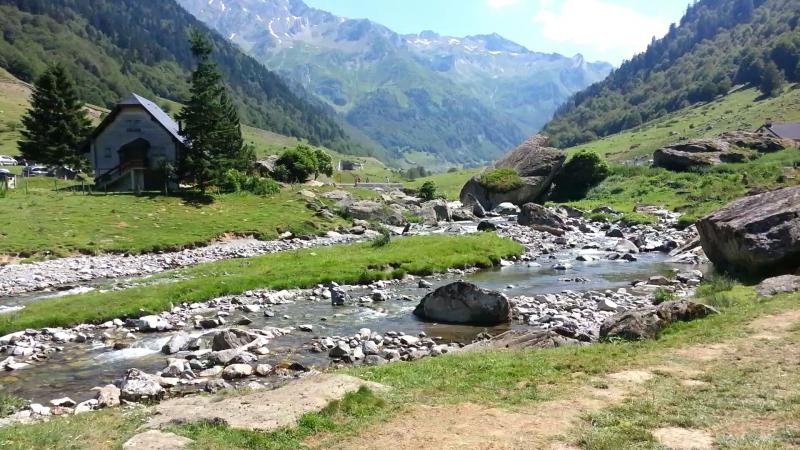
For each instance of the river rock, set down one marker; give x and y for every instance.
(340, 350)
(370, 210)
(236, 371)
(696, 153)
(63, 402)
(535, 214)
(485, 225)
(232, 338)
(755, 235)
(150, 323)
(435, 211)
(176, 343)
(778, 285)
(533, 161)
(136, 385)
(646, 323)
(464, 303)
(107, 396)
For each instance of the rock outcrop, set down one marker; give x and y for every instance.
(375, 211)
(533, 161)
(537, 216)
(755, 235)
(778, 285)
(646, 323)
(732, 146)
(464, 303)
(435, 211)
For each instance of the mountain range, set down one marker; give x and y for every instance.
(459, 99)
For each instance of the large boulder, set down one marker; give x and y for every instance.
(464, 303)
(755, 235)
(375, 211)
(534, 214)
(137, 386)
(231, 339)
(435, 211)
(535, 163)
(694, 153)
(646, 323)
(778, 285)
(754, 141)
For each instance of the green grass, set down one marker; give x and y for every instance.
(447, 183)
(741, 110)
(48, 222)
(691, 193)
(9, 404)
(500, 180)
(352, 263)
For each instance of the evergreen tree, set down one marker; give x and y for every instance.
(56, 124)
(210, 123)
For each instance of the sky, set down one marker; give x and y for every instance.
(601, 30)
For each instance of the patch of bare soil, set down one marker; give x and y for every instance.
(262, 410)
(684, 438)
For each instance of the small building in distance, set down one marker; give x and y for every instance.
(350, 165)
(788, 131)
(130, 148)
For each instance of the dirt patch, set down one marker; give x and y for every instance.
(156, 440)
(262, 410)
(710, 352)
(684, 438)
(632, 376)
(773, 327)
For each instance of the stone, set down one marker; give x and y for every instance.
(435, 211)
(370, 210)
(156, 440)
(506, 209)
(424, 284)
(697, 153)
(306, 327)
(778, 285)
(176, 343)
(150, 323)
(338, 297)
(535, 214)
(485, 225)
(464, 303)
(84, 407)
(615, 233)
(607, 305)
(374, 360)
(754, 141)
(107, 396)
(646, 323)
(370, 348)
(136, 385)
(211, 372)
(263, 370)
(231, 339)
(340, 350)
(757, 235)
(216, 385)
(63, 402)
(236, 371)
(534, 162)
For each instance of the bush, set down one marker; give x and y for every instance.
(582, 172)
(427, 191)
(662, 295)
(297, 164)
(382, 240)
(500, 180)
(236, 181)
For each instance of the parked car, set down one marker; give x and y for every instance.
(6, 160)
(35, 171)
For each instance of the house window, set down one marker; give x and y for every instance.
(133, 125)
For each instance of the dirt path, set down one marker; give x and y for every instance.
(546, 425)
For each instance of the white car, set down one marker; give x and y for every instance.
(7, 161)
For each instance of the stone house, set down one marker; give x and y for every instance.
(129, 149)
(788, 131)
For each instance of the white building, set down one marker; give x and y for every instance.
(128, 149)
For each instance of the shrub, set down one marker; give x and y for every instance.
(236, 181)
(582, 172)
(427, 191)
(662, 295)
(382, 240)
(500, 180)
(296, 165)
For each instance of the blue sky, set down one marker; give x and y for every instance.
(607, 30)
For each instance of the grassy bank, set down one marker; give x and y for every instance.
(302, 268)
(518, 380)
(44, 221)
(448, 184)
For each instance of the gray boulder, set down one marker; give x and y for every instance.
(176, 343)
(233, 338)
(374, 211)
(646, 323)
(756, 235)
(535, 163)
(435, 211)
(136, 386)
(535, 214)
(778, 285)
(754, 141)
(464, 303)
(698, 153)
(149, 323)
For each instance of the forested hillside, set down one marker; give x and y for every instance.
(717, 45)
(113, 47)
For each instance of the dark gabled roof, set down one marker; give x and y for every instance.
(786, 130)
(155, 112)
(158, 114)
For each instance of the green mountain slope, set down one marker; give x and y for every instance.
(115, 47)
(459, 99)
(718, 44)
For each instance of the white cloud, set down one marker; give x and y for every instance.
(599, 25)
(496, 4)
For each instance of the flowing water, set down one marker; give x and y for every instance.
(80, 367)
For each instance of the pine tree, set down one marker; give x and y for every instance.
(211, 124)
(771, 80)
(56, 124)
